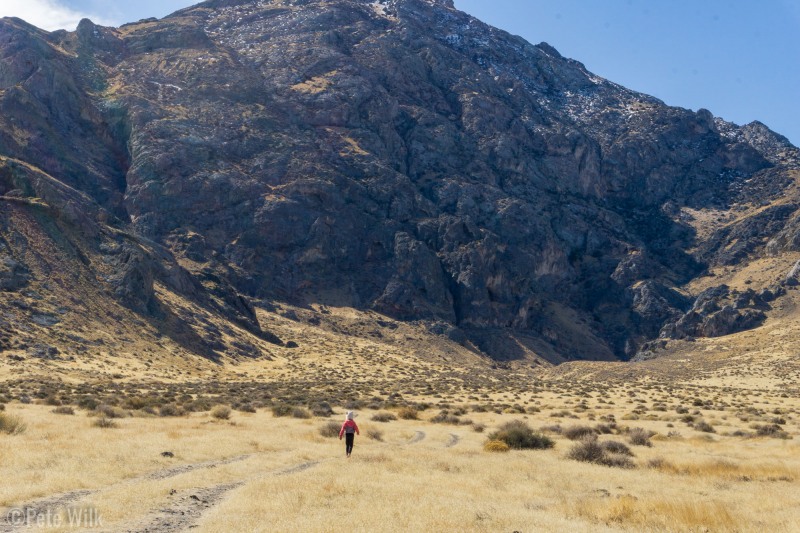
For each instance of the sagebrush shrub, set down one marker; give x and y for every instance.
(519, 435)
(104, 423)
(578, 432)
(408, 413)
(330, 429)
(221, 412)
(383, 417)
(590, 450)
(640, 437)
(322, 409)
(64, 410)
(612, 446)
(300, 412)
(705, 427)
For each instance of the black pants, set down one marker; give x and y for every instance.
(348, 442)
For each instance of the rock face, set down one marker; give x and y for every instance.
(394, 155)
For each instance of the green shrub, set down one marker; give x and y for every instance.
(519, 435)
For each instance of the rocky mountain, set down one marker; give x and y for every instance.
(393, 155)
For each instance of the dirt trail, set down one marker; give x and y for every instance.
(37, 507)
(186, 508)
(418, 437)
(183, 469)
(183, 511)
(454, 439)
(58, 502)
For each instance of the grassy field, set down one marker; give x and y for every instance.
(262, 472)
(705, 438)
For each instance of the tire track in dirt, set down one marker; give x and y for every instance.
(184, 511)
(36, 507)
(454, 439)
(54, 504)
(418, 437)
(188, 506)
(183, 469)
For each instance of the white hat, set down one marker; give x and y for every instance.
(350, 415)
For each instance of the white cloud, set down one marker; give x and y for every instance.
(47, 14)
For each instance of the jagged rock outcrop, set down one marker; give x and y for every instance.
(398, 155)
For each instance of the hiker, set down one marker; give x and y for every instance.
(349, 430)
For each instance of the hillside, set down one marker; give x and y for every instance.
(214, 183)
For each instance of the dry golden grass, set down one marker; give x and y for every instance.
(286, 476)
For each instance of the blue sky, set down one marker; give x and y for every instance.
(738, 58)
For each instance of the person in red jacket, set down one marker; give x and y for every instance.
(349, 430)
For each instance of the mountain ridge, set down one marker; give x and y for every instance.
(401, 157)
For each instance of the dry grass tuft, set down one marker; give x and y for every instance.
(330, 429)
(221, 412)
(11, 424)
(496, 446)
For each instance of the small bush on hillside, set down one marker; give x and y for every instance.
(246, 408)
(330, 429)
(640, 437)
(705, 427)
(771, 430)
(519, 435)
(375, 434)
(444, 417)
(496, 446)
(408, 413)
(478, 428)
(590, 450)
(104, 423)
(2, 407)
(109, 411)
(221, 412)
(578, 432)
(612, 446)
(281, 409)
(170, 409)
(11, 425)
(383, 417)
(300, 412)
(64, 410)
(321, 409)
